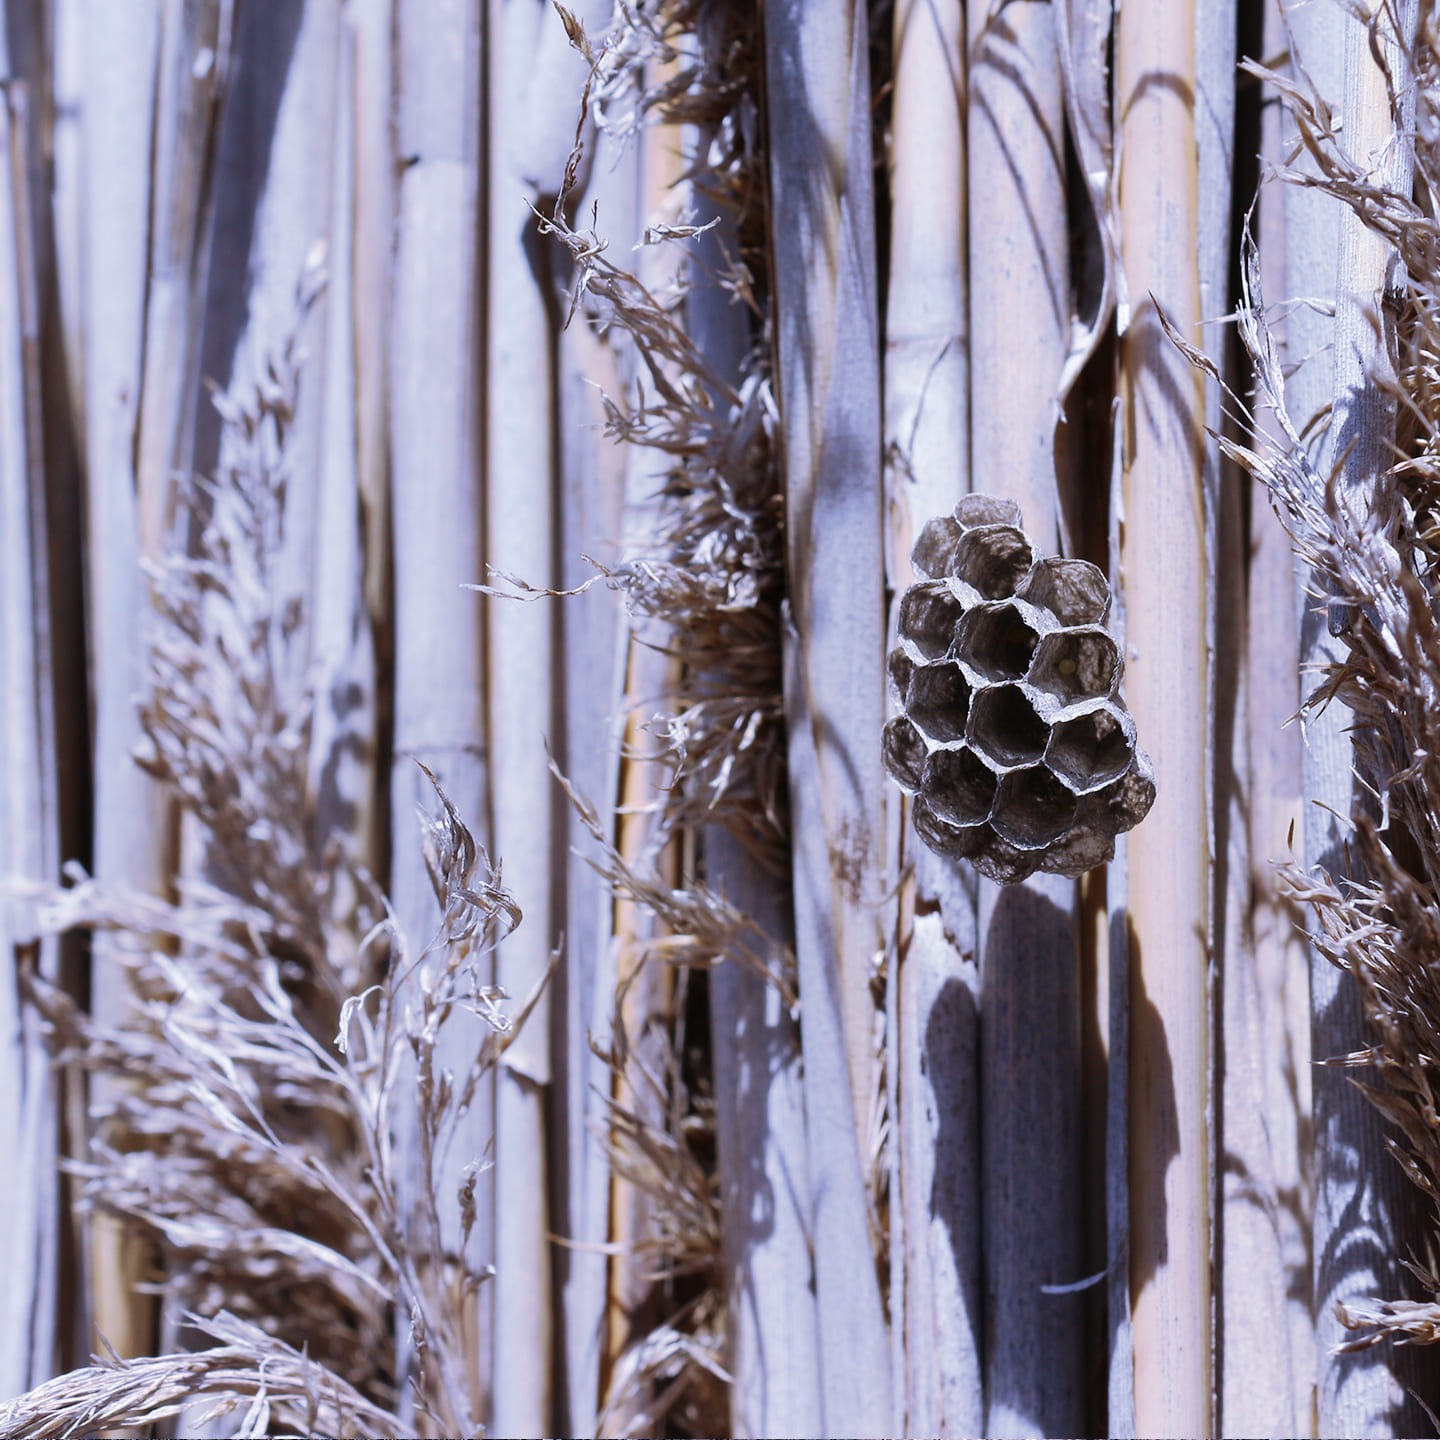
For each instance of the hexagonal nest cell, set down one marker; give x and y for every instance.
(1005, 727)
(929, 615)
(1012, 736)
(938, 700)
(903, 749)
(902, 667)
(935, 550)
(1033, 808)
(998, 639)
(960, 786)
(1092, 749)
(1075, 665)
(951, 842)
(994, 560)
(1075, 592)
(980, 509)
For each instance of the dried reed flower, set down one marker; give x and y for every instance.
(284, 1031)
(673, 1374)
(228, 724)
(247, 1378)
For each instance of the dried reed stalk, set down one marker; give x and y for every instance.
(644, 995)
(1166, 560)
(67, 202)
(132, 843)
(1113, 969)
(1266, 1344)
(1312, 238)
(1316, 35)
(344, 760)
(817, 93)
(194, 58)
(644, 1015)
(439, 664)
(1265, 1338)
(530, 128)
(1083, 33)
(1083, 36)
(191, 164)
(1030, 1014)
(30, 1233)
(590, 367)
(592, 631)
(58, 680)
(761, 1159)
(772, 1351)
(371, 26)
(278, 135)
(1356, 1393)
(932, 999)
(640, 1037)
(1248, 1291)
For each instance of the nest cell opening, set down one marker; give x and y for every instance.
(994, 560)
(1073, 591)
(939, 700)
(1004, 725)
(1033, 808)
(929, 615)
(953, 842)
(934, 552)
(903, 750)
(959, 787)
(998, 641)
(1074, 665)
(1091, 749)
(901, 668)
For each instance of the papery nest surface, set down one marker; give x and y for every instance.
(1012, 736)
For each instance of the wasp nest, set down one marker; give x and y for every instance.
(1012, 736)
